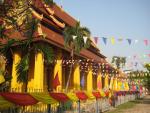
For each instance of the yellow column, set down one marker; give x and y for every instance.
(111, 83)
(99, 81)
(89, 80)
(58, 69)
(2, 68)
(76, 77)
(115, 84)
(14, 84)
(106, 81)
(119, 83)
(39, 71)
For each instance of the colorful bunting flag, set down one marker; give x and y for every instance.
(74, 37)
(96, 39)
(2, 79)
(115, 84)
(136, 41)
(85, 39)
(136, 64)
(113, 40)
(61, 4)
(82, 81)
(99, 82)
(106, 81)
(111, 83)
(120, 39)
(104, 40)
(119, 85)
(134, 56)
(144, 56)
(56, 81)
(122, 86)
(129, 41)
(146, 42)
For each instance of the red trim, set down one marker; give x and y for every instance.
(21, 99)
(61, 97)
(81, 95)
(97, 94)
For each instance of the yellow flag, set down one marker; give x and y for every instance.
(126, 86)
(113, 40)
(5, 104)
(106, 81)
(90, 95)
(115, 84)
(44, 97)
(72, 96)
(119, 85)
(111, 83)
(2, 79)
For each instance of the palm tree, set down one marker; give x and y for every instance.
(17, 17)
(119, 61)
(147, 66)
(76, 38)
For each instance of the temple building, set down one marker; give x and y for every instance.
(88, 66)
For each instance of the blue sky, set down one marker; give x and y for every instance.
(115, 18)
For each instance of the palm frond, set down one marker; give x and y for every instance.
(49, 2)
(2, 32)
(88, 43)
(46, 50)
(30, 27)
(85, 31)
(68, 33)
(78, 31)
(5, 48)
(22, 69)
(79, 44)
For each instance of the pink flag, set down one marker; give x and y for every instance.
(96, 39)
(99, 85)
(146, 42)
(134, 56)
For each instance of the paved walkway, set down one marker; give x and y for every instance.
(142, 106)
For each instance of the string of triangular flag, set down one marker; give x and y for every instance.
(113, 40)
(134, 64)
(139, 56)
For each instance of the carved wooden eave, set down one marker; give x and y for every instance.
(62, 16)
(53, 20)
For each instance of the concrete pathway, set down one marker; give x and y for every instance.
(141, 106)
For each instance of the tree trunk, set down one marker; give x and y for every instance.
(70, 72)
(26, 86)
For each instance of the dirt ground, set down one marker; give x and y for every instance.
(143, 106)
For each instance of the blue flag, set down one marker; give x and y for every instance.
(82, 81)
(104, 40)
(129, 41)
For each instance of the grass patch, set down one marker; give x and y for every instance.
(124, 106)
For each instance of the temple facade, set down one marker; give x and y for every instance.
(90, 68)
